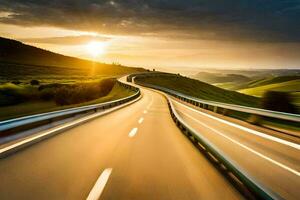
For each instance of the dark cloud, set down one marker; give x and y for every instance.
(245, 20)
(66, 40)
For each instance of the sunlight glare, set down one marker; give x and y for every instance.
(95, 48)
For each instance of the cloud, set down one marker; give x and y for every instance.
(244, 20)
(66, 40)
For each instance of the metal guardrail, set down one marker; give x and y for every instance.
(147, 74)
(31, 121)
(216, 105)
(257, 191)
(246, 184)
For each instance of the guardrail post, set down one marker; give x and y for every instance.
(215, 109)
(254, 119)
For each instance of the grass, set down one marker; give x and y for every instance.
(217, 77)
(209, 92)
(293, 126)
(272, 80)
(226, 85)
(201, 90)
(50, 74)
(286, 86)
(35, 107)
(259, 86)
(18, 60)
(79, 92)
(21, 62)
(296, 98)
(64, 81)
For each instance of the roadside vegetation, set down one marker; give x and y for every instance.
(279, 101)
(61, 94)
(18, 60)
(25, 99)
(33, 80)
(256, 83)
(200, 89)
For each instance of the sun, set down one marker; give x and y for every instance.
(95, 48)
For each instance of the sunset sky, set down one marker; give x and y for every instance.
(222, 34)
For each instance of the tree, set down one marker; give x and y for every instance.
(34, 82)
(278, 101)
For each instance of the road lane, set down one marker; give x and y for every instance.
(100, 184)
(66, 166)
(141, 120)
(275, 165)
(162, 164)
(157, 163)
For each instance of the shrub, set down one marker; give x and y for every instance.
(11, 94)
(79, 93)
(106, 86)
(278, 101)
(47, 94)
(16, 82)
(52, 86)
(34, 82)
(62, 96)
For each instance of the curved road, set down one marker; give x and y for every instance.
(137, 152)
(271, 161)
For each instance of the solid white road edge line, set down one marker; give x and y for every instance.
(266, 136)
(133, 132)
(246, 147)
(99, 185)
(141, 120)
(60, 128)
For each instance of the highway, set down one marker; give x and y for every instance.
(141, 152)
(270, 160)
(138, 152)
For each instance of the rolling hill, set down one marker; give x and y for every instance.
(255, 84)
(210, 77)
(54, 75)
(291, 86)
(200, 89)
(19, 60)
(271, 80)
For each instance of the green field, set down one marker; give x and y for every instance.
(201, 90)
(271, 80)
(60, 81)
(291, 86)
(288, 82)
(218, 77)
(39, 106)
(206, 91)
(20, 61)
(226, 85)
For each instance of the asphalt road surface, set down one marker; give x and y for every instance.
(269, 160)
(137, 152)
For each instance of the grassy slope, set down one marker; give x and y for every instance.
(272, 80)
(34, 107)
(286, 86)
(209, 77)
(226, 85)
(23, 62)
(18, 60)
(205, 91)
(258, 86)
(201, 90)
